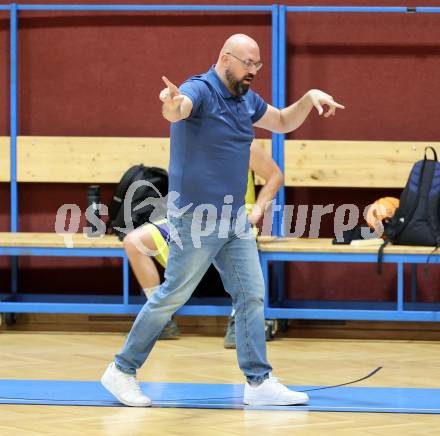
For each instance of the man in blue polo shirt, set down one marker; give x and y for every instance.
(213, 117)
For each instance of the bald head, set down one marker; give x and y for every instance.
(238, 62)
(241, 44)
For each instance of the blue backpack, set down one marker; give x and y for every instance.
(417, 219)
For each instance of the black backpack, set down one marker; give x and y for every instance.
(417, 219)
(138, 213)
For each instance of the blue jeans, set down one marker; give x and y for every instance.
(233, 251)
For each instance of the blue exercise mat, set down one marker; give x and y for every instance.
(221, 396)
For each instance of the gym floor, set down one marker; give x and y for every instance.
(193, 358)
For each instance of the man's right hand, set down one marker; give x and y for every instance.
(170, 96)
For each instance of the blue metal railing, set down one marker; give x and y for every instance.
(148, 8)
(14, 127)
(353, 9)
(282, 61)
(15, 8)
(13, 136)
(279, 33)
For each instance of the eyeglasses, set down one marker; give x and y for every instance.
(247, 63)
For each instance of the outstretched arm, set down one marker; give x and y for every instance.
(290, 118)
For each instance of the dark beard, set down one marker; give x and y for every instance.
(238, 87)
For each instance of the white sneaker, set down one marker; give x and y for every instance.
(272, 393)
(124, 387)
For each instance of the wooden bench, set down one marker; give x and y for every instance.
(89, 160)
(307, 163)
(359, 164)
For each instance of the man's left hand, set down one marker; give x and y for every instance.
(319, 99)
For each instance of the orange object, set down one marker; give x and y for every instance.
(381, 209)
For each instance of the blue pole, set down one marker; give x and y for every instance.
(279, 267)
(275, 86)
(226, 8)
(207, 8)
(13, 138)
(281, 104)
(357, 9)
(13, 115)
(427, 10)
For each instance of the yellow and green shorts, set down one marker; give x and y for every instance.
(160, 232)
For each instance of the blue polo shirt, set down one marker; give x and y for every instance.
(210, 149)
